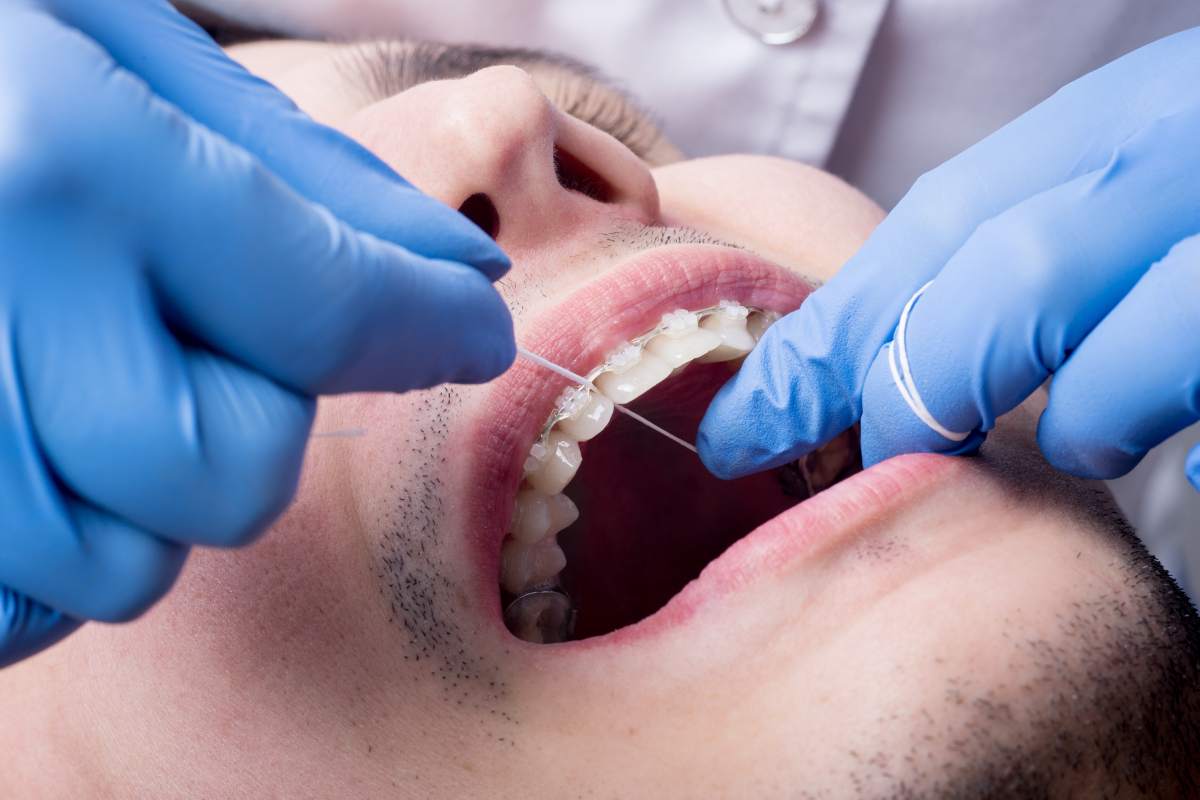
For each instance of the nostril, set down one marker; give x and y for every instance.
(480, 209)
(576, 176)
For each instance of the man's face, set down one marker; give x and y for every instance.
(897, 630)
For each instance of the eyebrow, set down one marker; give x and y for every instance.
(385, 68)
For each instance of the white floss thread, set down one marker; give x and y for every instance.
(902, 375)
(569, 375)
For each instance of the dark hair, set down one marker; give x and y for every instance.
(1113, 708)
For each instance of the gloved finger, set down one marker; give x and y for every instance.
(1135, 380)
(56, 550)
(170, 438)
(182, 65)
(85, 562)
(802, 385)
(28, 627)
(237, 259)
(1030, 284)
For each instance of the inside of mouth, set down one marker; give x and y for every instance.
(651, 517)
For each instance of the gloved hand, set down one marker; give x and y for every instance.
(185, 261)
(1065, 243)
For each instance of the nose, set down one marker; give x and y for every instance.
(493, 146)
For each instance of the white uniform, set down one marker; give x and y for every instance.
(875, 91)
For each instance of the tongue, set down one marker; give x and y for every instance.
(651, 516)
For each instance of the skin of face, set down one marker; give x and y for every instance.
(355, 650)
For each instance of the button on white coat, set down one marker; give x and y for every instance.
(774, 21)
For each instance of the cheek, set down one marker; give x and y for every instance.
(800, 216)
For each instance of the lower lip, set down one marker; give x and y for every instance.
(828, 520)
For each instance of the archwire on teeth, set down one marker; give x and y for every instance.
(629, 353)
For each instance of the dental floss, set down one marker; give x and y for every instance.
(569, 375)
(344, 433)
(902, 375)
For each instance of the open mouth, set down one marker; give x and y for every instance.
(610, 520)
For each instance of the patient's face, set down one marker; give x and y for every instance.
(900, 629)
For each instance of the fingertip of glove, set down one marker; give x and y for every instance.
(490, 347)
(489, 361)
(712, 457)
(468, 245)
(1080, 457)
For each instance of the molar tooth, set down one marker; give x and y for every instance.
(837, 457)
(631, 373)
(588, 414)
(681, 339)
(729, 322)
(552, 473)
(537, 515)
(523, 566)
(543, 616)
(758, 322)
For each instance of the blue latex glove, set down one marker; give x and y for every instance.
(1063, 244)
(174, 290)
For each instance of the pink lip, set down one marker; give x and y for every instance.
(577, 333)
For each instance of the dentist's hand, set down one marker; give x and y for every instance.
(1065, 243)
(185, 261)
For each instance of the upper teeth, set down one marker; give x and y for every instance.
(588, 415)
(730, 323)
(530, 556)
(557, 465)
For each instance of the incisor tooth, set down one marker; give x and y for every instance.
(730, 324)
(589, 419)
(523, 566)
(633, 374)
(537, 515)
(680, 349)
(552, 473)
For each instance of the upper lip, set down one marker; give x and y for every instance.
(577, 333)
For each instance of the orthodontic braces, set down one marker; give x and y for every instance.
(574, 397)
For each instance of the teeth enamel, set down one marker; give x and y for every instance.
(537, 515)
(587, 413)
(681, 339)
(551, 472)
(524, 566)
(728, 322)
(536, 458)
(631, 373)
(758, 322)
